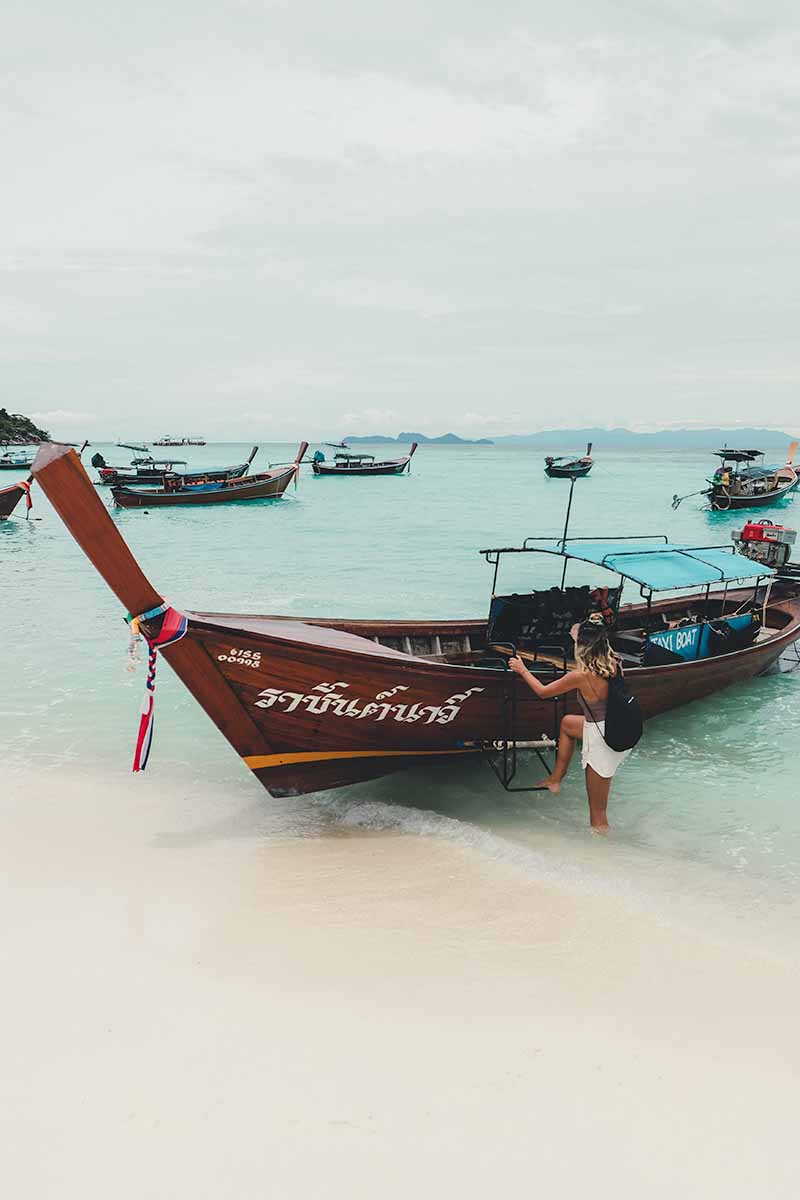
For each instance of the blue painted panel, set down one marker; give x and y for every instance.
(685, 641)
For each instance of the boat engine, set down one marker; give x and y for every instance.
(765, 543)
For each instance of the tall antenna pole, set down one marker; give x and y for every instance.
(566, 527)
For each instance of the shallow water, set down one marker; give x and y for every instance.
(707, 805)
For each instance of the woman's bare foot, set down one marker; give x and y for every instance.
(605, 828)
(549, 785)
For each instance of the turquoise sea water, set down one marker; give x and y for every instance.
(708, 803)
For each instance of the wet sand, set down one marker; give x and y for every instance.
(191, 1008)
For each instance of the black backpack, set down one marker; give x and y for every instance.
(624, 725)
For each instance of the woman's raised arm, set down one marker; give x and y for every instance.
(566, 683)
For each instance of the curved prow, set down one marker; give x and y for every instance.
(61, 476)
(790, 458)
(589, 450)
(253, 453)
(298, 458)
(413, 448)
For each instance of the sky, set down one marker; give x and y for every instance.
(272, 218)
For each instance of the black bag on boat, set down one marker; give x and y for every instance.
(624, 725)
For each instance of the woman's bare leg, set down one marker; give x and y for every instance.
(597, 789)
(571, 729)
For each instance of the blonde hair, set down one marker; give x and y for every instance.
(593, 652)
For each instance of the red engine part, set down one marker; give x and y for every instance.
(762, 531)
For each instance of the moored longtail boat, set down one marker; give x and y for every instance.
(743, 481)
(11, 496)
(150, 470)
(351, 463)
(17, 458)
(569, 468)
(168, 440)
(178, 490)
(318, 704)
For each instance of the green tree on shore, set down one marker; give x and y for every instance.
(19, 429)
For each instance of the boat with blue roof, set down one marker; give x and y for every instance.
(314, 703)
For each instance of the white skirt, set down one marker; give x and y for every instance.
(596, 754)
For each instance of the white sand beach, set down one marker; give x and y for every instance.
(199, 1014)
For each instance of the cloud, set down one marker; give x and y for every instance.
(393, 295)
(257, 418)
(479, 420)
(530, 209)
(373, 417)
(63, 416)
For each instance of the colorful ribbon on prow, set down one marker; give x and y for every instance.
(173, 627)
(26, 487)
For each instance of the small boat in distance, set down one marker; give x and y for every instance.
(17, 458)
(167, 440)
(149, 470)
(137, 447)
(346, 462)
(743, 481)
(563, 467)
(179, 490)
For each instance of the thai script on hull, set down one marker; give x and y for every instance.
(328, 698)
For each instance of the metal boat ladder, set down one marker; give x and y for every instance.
(501, 754)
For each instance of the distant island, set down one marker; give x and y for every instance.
(447, 439)
(16, 430)
(711, 438)
(667, 439)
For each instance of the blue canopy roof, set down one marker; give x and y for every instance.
(661, 566)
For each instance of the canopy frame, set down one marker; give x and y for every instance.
(560, 548)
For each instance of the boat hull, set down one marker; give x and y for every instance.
(568, 472)
(725, 503)
(270, 485)
(721, 500)
(127, 478)
(382, 468)
(10, 498)
(336, 708)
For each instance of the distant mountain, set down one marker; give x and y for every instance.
(575, 439)
(668, 439)
(18, 430)
(447, 439)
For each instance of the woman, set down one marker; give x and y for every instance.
(597, 663)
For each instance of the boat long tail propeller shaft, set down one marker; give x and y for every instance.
(678, 500)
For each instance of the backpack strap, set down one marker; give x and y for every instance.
(595, 722)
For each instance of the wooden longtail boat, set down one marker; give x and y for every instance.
(11, 496)
(569, 468)
(142, 471)
(16, 459)
(318, 704)
(167, 440)
(178, 491)
(155, 471)
(743, 481)
(347, 463)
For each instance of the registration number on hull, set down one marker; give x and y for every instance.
(242, 658)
